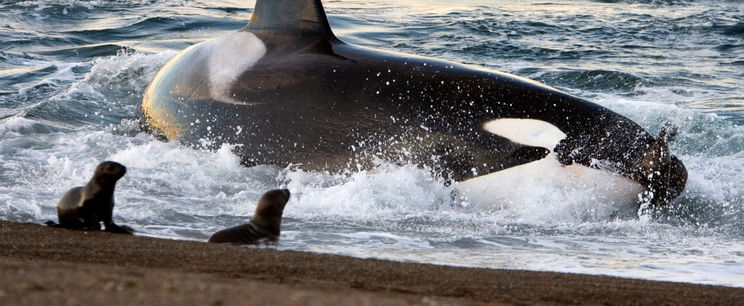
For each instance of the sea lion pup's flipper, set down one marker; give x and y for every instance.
(119, 229)
(51, 223)
(662, 174)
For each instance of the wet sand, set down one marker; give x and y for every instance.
(41, 265)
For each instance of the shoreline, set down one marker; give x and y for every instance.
(51, 265)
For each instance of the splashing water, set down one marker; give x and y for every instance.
(72, 74)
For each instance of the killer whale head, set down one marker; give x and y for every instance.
(289, 91)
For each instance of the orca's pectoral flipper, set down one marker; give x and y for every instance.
(661, 173)
(298, 16)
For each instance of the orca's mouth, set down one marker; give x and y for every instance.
(662, 175)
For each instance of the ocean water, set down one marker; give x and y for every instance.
(72, 74)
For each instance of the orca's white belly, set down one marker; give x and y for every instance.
(546, 185)
(546, 188)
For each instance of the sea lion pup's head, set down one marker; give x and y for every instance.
(108, 172)
(270, 207)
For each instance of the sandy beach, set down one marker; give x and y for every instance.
(43, 265)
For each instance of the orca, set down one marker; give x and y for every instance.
(285, 90)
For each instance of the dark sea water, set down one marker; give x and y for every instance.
(72, 74)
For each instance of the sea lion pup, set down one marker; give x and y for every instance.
(85, 207)
(265, 223)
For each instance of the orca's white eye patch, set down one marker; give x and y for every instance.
(531, 132)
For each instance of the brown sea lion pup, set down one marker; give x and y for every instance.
(264, 225)
(662, 174)
(85, 207)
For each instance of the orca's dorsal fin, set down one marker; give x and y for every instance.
(300, 16)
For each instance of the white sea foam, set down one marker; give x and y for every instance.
(366, 195)
(114, 77)
(16, 126)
